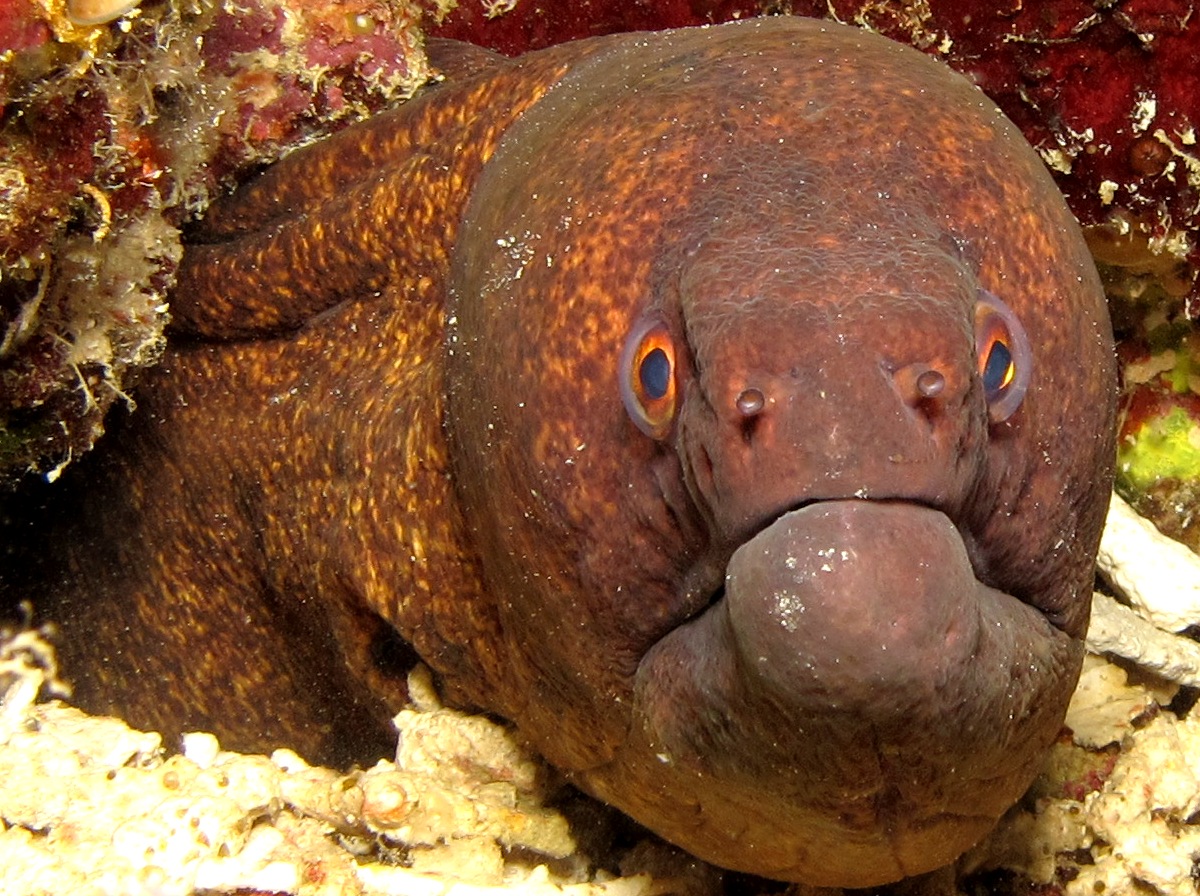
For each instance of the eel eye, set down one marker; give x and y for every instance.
(1004, 357)
(648, 377)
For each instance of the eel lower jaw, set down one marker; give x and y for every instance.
(855, 707)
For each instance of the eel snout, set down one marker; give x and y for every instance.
(857, 707)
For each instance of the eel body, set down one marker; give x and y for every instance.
(731, 408)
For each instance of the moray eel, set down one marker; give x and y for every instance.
(730, 408)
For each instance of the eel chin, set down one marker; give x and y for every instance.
(857, 707)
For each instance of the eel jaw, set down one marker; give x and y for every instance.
(857, 708)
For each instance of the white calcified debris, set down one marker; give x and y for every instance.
(1160, 579)
(403, 882)
(1131, 835)
(89, 806)
(1105, 705)
(27, 668)
(1140, 821)
(1116, 629)
(1157, 575)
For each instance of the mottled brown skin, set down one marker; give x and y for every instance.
(826, 642)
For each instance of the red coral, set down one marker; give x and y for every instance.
(247, 30)
(1092, 780)
(21, 29)
(1109, 94)
(528, 25)
(56, 146)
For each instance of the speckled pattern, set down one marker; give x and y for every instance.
(232, 408)
(394, 405)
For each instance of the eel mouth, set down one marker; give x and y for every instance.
(858, 589)
(764, 535)
(852, 707)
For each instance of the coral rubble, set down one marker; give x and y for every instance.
(118, 123)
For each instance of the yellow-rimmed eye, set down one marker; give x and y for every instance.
(1004, 357)
(648, 387)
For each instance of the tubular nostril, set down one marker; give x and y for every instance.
(918, 383)
(931, 383)
(750, 402)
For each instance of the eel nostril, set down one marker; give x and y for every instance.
(919, 383)
(931, 383)
(750, 402)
